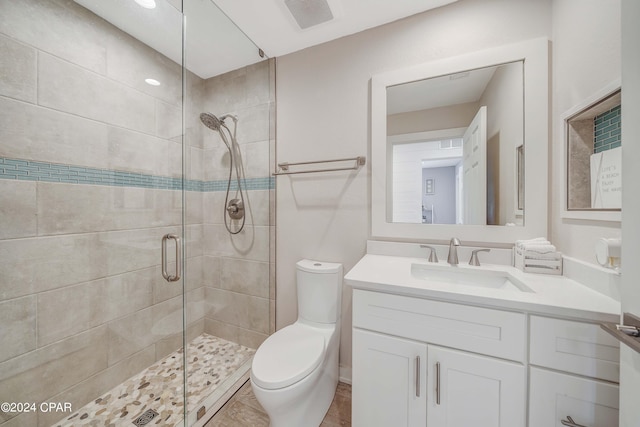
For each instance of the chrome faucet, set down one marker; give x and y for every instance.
(474, 256)
(453, 251)
(433, 257)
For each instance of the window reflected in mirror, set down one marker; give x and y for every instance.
(455, 147)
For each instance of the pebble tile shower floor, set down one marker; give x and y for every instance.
(211, 360)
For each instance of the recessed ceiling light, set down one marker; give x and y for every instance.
(152, 82)
(147, 4)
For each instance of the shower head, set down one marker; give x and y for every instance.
(211, 121)
(229, 116)
(215, 123)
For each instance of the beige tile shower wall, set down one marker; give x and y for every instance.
(91, 105)
(83, 304)
(193, 164)
(238, 269)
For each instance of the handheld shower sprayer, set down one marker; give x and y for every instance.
(234, 208)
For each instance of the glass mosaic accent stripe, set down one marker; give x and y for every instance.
(607, 130)
(27, 170)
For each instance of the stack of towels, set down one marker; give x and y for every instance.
(538, 256)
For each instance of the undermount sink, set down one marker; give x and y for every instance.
(476, 277)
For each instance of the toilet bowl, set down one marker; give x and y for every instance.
(294, 373)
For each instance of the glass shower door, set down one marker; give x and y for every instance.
(91, 179)
(127, 296)
(229, 214)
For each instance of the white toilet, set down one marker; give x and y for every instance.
(294, 373)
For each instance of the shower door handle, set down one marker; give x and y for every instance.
(167, 276)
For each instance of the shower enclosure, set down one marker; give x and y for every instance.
(108, 182)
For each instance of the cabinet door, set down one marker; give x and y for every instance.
(389, 377)
(555, 396)
(470, 390)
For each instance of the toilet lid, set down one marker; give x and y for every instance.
(287, 356)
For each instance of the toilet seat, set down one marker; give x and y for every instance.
(287, 356)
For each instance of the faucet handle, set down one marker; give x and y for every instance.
(474, 256)
(433, 257)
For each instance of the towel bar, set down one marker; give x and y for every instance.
(284, 167)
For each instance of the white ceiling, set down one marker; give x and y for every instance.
(439, 91)
(216, 44)
(213, 44)
(272, 27)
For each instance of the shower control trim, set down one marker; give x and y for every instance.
(235, 209)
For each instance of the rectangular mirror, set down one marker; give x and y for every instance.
(449, 139)
(464, 129)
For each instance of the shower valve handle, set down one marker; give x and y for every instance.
(235, 208)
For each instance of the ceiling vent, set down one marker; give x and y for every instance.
(308, 13)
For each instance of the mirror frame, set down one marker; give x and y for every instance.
(535, 54)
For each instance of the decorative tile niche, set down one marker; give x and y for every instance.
(607, 130)
(594, 129)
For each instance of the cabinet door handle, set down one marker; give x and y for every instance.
(417, 376)
(169, 277)
(437, 383)
(570, 423)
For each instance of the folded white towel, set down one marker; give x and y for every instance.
(540, 249)
(537, 243)
(532, 242)
(552, 256)
(537, 239)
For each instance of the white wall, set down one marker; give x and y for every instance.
(432, 119)
(443, 201)
(504, 127)
(323, 113)
(585, 58)
(407, 182)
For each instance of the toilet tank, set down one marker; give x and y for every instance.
(319, 290)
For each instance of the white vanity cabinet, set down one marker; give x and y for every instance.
(420, 362)
(389, 379)
(467, 389)
(399, 382)
(579, 402)
(404, 376)
(590, 397)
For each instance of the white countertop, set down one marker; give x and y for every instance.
(552, 295)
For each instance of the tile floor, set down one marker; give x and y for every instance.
(243, 410)
(212, 360)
